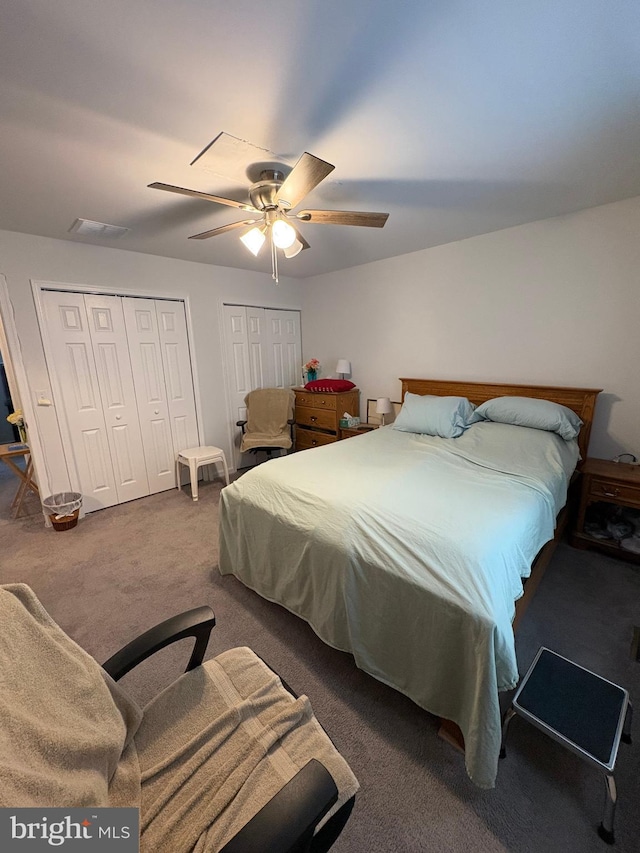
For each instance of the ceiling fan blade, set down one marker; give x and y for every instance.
(343, 217)
(305, 175)
(223, 228)
(205, 196)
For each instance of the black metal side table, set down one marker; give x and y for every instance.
(580, 710)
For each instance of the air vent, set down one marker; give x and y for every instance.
(97, 230)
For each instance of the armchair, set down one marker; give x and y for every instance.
(183, 783)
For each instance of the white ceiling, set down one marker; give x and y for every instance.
(456, 118)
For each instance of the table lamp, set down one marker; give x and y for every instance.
(342, 367)
(383, 407)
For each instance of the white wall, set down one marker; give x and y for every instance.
(555, 302)
(24, 258)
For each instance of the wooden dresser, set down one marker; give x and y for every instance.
(318, 415)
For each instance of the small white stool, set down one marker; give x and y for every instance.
(194, 458)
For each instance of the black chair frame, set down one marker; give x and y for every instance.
(286, 824)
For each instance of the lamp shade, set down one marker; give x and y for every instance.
(294, 249)
(383, 406)
(254, 240)
(343, 366)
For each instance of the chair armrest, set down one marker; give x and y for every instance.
(193, 623)
(241, 424)
(287, 822)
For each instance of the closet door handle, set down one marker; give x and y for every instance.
(118, 417)
(156, 411)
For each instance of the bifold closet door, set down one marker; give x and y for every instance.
(88, 353)
(148, 375)
(176, 361)
(159, 349)
(285, 346)
(263, 350)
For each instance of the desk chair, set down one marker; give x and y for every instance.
(269, 423)
(225, 759)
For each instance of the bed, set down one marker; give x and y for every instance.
(411, 551)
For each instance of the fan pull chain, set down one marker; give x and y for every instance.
(274, 261)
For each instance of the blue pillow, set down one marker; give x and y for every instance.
(447, 417)
(530, 412)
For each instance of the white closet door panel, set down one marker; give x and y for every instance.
(70, 360)
(148, 375)
(99, 465)
(257, 336)
(182, 432)
(239, 383)
(115, 380)
(278, 366)
(174, 343)
(285, 348)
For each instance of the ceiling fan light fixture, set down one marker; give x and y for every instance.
(254, 240)
(294, 249)
(283, 234)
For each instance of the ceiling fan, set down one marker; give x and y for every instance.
(272, 199)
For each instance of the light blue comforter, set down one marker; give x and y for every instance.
(408, 551)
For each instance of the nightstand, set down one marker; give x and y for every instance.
(605, 487)
(350, 432)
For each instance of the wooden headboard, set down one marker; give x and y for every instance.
(580, 400)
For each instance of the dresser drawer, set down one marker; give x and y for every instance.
(306, 438)
(316, 418)
(610, 490)
(316, 401)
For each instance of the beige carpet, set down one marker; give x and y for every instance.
(123, 569)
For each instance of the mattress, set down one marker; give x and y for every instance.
(408, 551)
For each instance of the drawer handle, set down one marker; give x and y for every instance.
(314, 441)
(613, 494)
(312, 418)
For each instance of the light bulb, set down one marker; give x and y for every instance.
(253, 240)
(283, 234)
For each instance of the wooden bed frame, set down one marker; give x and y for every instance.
(580, 400)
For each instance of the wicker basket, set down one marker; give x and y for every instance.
(63, 509)
(64, 522)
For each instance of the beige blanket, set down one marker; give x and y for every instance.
(268, 410)
(224, 739)
(208, 753)
(66, 728)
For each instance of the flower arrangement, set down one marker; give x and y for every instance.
(17, 419)
(311, 368)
